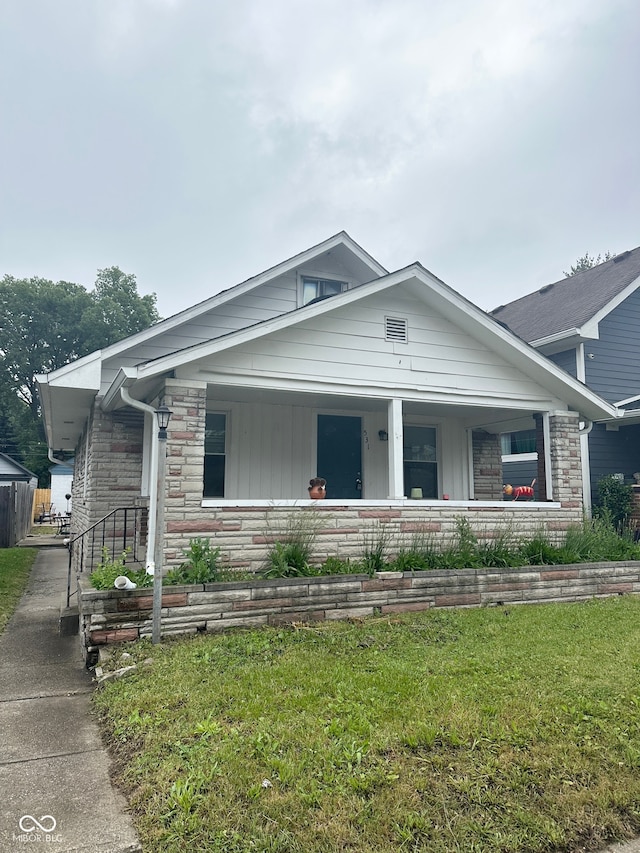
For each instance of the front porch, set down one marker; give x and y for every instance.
(268, 450)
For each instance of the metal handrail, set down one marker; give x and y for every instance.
(113, 540)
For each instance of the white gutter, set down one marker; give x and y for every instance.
(627, 401)
(153, 484)
(52, 458)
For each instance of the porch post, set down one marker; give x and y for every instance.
(396, 472)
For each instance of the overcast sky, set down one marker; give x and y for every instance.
(196, 143)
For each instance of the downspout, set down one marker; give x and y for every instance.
(586, 469)
(585, 455)
(153, 483)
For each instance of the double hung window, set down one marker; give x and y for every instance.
(215, 454)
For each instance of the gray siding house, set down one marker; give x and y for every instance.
(389, 385)
(589, 325)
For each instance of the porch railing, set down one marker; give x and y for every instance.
(122, 531)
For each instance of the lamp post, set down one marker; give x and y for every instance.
(163, 414)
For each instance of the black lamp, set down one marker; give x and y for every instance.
(163, 413)
(383, 435)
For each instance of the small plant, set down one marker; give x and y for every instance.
(376, 545)
(614, 502)
(337, 566)
(105, 573)
(290, 553)
(201, 565)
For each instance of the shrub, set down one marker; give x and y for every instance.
(614, 501)
(105, 573)
(201, 565)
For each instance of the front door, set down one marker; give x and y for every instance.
(340, 456)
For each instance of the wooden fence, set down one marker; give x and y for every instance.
(41, 503)
(16, 513)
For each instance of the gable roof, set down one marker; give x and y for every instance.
(426, 286)
(18, 471)
(574, 305)
(338, 242)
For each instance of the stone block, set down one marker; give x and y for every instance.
(458, 600)
(406, 607)
(349, 613)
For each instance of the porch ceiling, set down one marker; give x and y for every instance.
(491, 419)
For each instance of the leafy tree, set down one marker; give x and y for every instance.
(586, 262)
(45, 325)
(117, 310)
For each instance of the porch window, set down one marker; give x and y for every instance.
(420, 460)
(518, 443)
(214, 454)
(320, 288)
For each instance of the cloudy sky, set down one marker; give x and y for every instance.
(198, 142)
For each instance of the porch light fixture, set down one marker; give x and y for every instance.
(163, 414)
(383, 435)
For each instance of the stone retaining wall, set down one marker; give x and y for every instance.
(112, 616)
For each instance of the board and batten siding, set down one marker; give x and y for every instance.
(266, 301)
(271, 451)
(348, 346)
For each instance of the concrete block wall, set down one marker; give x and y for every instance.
(113, 616)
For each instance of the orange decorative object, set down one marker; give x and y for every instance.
(519, 491)
(317, 490)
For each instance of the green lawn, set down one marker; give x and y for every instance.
(15, 566)
(490, 730)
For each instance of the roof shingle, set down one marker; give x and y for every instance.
(569, 303)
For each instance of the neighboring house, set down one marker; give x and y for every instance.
(61, 482)
(325, 365)
(588, 324)
(13, 472)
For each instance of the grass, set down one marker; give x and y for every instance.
(15, 567)
(469, 730)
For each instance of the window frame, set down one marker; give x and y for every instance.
(224, 455)
(319, 277)
(436, 461)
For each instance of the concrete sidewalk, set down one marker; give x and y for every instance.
(55, 792)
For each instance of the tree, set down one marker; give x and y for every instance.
(117, 310)
(586, 262)
(45, 325)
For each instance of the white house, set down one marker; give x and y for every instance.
(388, 385)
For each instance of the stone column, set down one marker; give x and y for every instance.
(566, 465)
(185, 447)
(487, 466)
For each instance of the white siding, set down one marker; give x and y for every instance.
(265, 302)
(348, 346)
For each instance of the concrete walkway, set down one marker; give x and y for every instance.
(55, 792)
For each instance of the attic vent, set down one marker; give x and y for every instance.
(396, 329)
(546, 288)
(617, 258)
